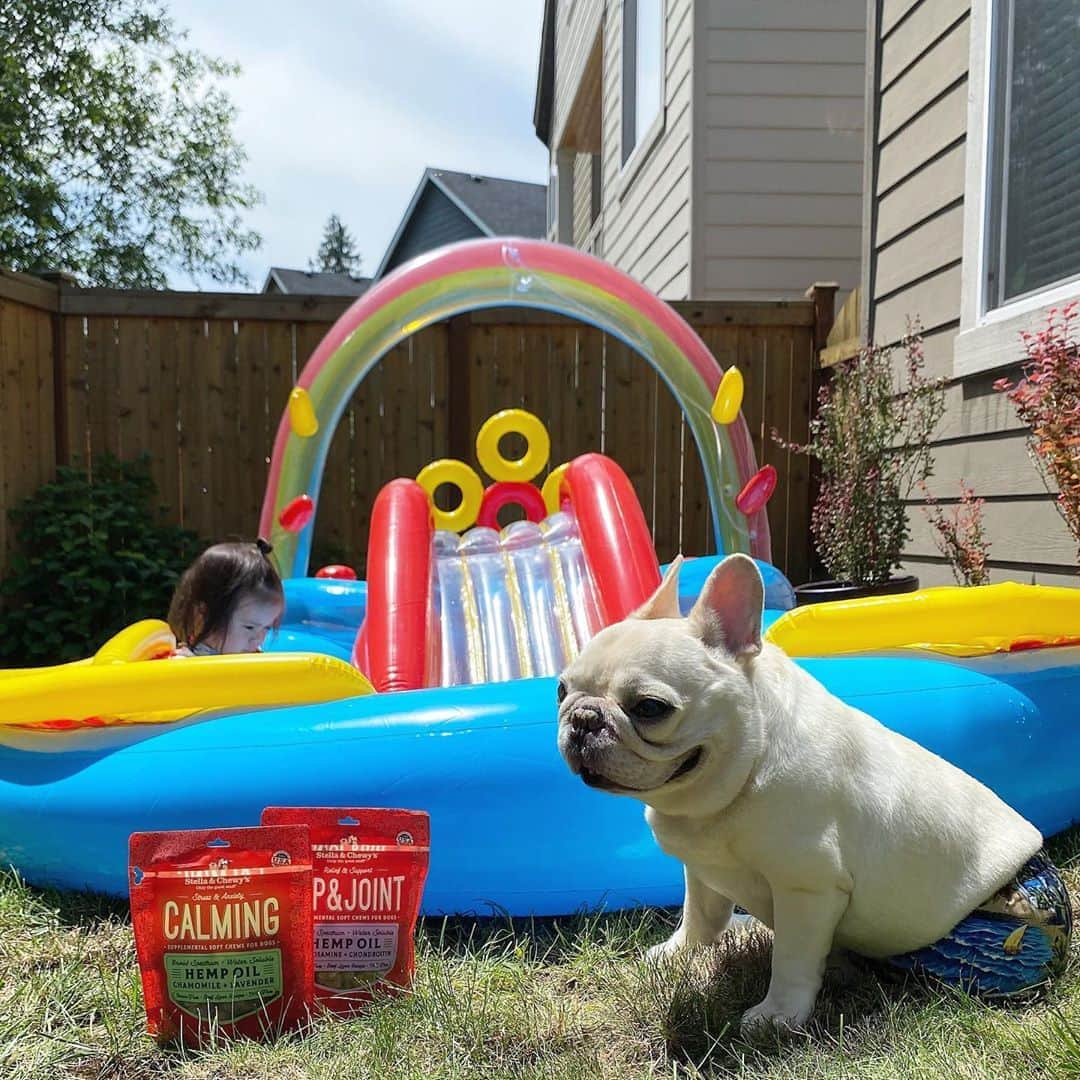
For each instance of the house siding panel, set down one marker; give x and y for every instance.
(582, 201)
(435, 221)
(892, 11)
(916, 251)
(763, 106)
(778, 144)
(944, 66)
(780, 123)
(938, 185)
(785, 46)
(1023, 532)
(917, 141)
(928, 23)
(812, 15)
(922, 251)
(646, 205)
(576, 26)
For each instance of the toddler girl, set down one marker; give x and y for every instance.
(227, 601)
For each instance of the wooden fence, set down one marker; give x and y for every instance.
(199, 382)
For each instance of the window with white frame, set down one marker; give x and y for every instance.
(1033, 207)
(642, 71)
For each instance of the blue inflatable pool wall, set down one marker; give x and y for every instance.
(512, 829)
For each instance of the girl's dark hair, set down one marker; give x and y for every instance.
(211, 587)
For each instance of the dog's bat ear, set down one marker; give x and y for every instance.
(664, 603)
(727, 613)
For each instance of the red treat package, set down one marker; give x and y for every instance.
(368, 870)
(222, 931)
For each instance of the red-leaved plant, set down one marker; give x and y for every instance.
(1047, 399)
(871, 436)
(960, 536)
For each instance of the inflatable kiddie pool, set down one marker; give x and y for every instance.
(460, 631)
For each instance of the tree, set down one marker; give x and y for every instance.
(337, 252)
(117, 157)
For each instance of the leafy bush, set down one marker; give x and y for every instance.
(1047, 398)
(92, 558)
(961, 536)
(872, 437)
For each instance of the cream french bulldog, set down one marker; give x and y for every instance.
(828, 827)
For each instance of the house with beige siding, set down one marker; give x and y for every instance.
(710, 148)
(972, 224)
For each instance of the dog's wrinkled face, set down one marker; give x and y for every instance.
(659, 707)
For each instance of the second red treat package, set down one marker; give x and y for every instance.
(368, 872)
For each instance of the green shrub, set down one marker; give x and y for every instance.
(91, 558)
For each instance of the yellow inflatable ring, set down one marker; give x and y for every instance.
(465, 479)
(510, 422)
(550, 490)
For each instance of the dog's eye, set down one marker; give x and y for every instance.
(560, 694)
(650, 708)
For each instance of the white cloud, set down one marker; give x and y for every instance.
(342, 105)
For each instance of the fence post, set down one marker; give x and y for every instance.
(458, 395)
(823, 296)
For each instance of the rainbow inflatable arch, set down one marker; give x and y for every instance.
(491, 273)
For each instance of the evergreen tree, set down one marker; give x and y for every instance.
(337, 252)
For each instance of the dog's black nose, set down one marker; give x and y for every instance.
(587, 718)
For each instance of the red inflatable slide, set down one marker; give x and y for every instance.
(488, 606)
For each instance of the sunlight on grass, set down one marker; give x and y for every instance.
(565, 999)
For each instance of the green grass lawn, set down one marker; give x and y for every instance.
(568, 998)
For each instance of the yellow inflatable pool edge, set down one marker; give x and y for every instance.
(120, 684)
(952, 620)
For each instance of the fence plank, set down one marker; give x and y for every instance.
(630, 393)
(46, 328)
(25, 290)
(221, 387)
(134, 303)
(794, 502)
(36, 391)
(253, 432)
(10, 454)
(194, 480)
(27, 437)
(333, 512)
(78, 388)
(131, 386)
(98, 352)
(670, 439)
(163, 408)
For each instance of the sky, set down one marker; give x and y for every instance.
(342, 104)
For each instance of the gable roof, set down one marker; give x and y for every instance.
(497, 207)
(314, 282)
(545, 77)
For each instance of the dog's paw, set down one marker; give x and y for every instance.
(663, 952)
(767, 1018)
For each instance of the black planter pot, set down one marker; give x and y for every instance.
(820, 592)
